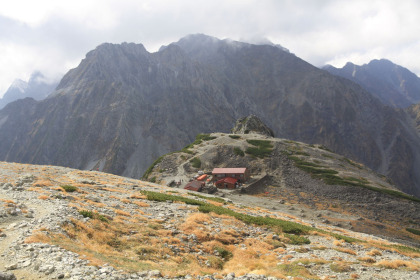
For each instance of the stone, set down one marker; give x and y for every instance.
(154, 274)
(12, 266)
(7, 276)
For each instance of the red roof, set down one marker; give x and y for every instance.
(228, 180)
(194, 186)
(240, 170)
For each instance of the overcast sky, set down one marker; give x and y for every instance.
(52, 36)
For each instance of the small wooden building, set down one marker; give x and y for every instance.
(242, 173)
(227, 183)
(195, 186)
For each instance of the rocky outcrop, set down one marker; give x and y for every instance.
(123, 107)
(252, 124)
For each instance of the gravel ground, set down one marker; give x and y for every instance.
(23, 211)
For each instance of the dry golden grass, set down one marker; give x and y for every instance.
(140, 213)
(43, 183)
(38, 236)
(138, 196)
(340, 266)
(339, 243)
(215, 203)
(141, 204)
(228, 237)
(394, 264)
(354, 276)
(374, 252)
(43, 197)
(347, 251)
(208, 246)
(256, 259)
(122, 213)
(8, 201)
(37, 189)
(117, 190)
(367, 259)
(321, 247)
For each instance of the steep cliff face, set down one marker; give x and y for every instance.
(392, 84)
(122, 107)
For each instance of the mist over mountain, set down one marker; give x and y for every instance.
(37, 88)
(394, 85)
(123, 107)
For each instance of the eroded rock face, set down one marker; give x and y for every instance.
(252, 124)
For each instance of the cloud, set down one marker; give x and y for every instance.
(53, 36)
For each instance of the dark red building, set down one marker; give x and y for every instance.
(242, 174)
(227, 183)
(194, 186)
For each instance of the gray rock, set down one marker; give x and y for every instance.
(7, 276)
(93, 198)
(154, 274)
(11, 266)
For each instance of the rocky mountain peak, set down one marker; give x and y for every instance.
(394, 85)
(252, 124)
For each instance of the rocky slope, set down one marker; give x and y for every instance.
(394, 85)
(414, 112)
(61, 223)
(308, 175)
(123, 107)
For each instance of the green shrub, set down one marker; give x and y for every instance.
(153, 179)
(196, 162)
(198, 140)
(86, 213)
(225, 254)
(284, 226)
(260, 143)
(93, 215)
(324, 148)
(155, 196)
(291, 230)
(186, 149)
(414, 231)
(150, 169)
(262, 148)
(296, 239)
(203, 137)
(235, 136)
(293, 269)
(69, 188)
(217, 199)
(238, 151)
(301, 153)
(344, 159)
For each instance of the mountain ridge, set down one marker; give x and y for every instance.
(123, 107)
(37, 87)
(394, 85)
